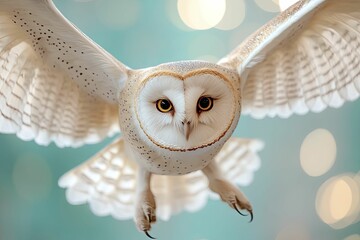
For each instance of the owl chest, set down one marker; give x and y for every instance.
(163, 161)
(166, 162)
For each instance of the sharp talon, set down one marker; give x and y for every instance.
(147, 234)
(251, 216)
(148, 217)
(234, 205)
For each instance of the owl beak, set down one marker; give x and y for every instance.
(187, 130)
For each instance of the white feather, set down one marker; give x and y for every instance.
(184, 95)
(52, 77)
(107, 182)
(312, 60)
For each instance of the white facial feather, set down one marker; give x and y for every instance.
(208, 124)
(169, 128)
(164, 126)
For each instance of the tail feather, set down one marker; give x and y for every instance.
(107, 182)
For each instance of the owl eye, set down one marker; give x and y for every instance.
(204, 104)
(164, 105)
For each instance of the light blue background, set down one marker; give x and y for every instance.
(281, 193)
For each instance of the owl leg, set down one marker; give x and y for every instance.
(145, 203)
(228, 192)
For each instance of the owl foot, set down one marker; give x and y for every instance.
(232, 196)
(145, 212)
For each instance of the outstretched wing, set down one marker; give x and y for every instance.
(239, 159)
(306, 59)
(55, 83)
(107, 182)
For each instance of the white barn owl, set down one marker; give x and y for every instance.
(176, 119)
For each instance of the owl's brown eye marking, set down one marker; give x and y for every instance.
(205, 104)
(164, 105)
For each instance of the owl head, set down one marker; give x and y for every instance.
(188, 105)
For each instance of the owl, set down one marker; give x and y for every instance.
(176, 119)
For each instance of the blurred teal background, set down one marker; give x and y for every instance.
(141, 34)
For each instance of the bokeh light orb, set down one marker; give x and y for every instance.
(353, 237)
(340, 200)
(337, 201)
(234, 15)
(173, 16)
(201, 14)
(318, 152)
(285, 4)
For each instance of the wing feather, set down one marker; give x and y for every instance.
(56, 85)
(311, 56)
(238, 160)
(107, 182)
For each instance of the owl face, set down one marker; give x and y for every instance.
(184, 112)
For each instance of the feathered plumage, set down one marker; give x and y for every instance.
(56, 85)
(306, 59)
